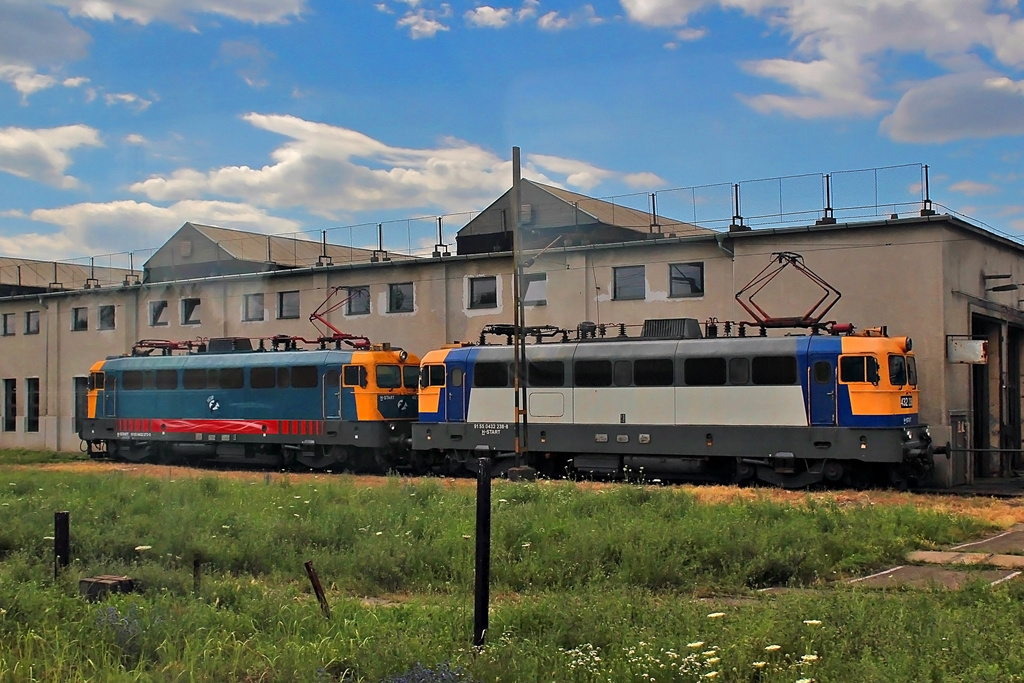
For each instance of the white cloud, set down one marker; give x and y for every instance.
(528, 10)
(957, 106)
(136, 102)
(422, 23)
(488, 17)
(585, 16)
(177, 11)
(134, 139)
(91, 228)
(74, 82)
(25, 79)
(42, 154)
(843, 48)
(336, 172)
(972, 188)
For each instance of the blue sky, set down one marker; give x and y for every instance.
(122, 119)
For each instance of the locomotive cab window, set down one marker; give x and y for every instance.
(773, 370)
(912, 371)
(858, 369)
(353, 376)
(490, 375)
(95, 380)
(389, 376)
(432, 376)
(897, 370)
(410, 376)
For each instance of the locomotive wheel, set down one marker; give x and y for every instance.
(833, 470)
(323, 458)
(132, 452)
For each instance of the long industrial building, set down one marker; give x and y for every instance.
(952, 286)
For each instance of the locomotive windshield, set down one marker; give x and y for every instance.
(389, 376)
(897, 370)
(912, 370)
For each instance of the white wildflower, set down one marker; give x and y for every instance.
(716, 615)
(773, 648)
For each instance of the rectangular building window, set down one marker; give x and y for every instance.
(157, 313)
(191, 311)
(10, 404)
(535, 289)
(252, 307)
(400, 298)
(106, 317)
(358, 302)
(288, 305)
(483, 292)
(686, 279)
(32, 322)
(8, 324)
(629, 283)
(79, 319)
(32, 408)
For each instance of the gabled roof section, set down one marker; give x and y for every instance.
(548, 213)
(198, 250)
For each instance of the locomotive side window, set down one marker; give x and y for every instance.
(148, 379)
(284, 378)
(490, 375)
(704, 372)
(858, 369)
(433, 376)
(353, 376)
(167, 380)
(912, 370)
(897, 371)
(110, 382)
(739, 371)
(304, 376)
(592, 373)
(263, 378)
(231, 378)
(773, 370)
(852, 368)
(623, 373)
(545, 373)
(95, 381)
(457, 376)
(194, 379)
(131, 380)
(410, 376)
(389, 376)
(653, 372)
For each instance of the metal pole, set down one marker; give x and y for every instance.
(483, 550)
(521, 443)
(61, 541)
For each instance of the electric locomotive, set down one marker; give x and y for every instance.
(223, 401)
(792, 411)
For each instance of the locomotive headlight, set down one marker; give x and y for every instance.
(392, 426)
(908, 435)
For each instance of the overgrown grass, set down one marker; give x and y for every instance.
(21, 456)
(604, 585)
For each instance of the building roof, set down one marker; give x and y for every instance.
(198, 250)
(25, 276)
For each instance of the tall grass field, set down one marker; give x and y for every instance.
(589, 583)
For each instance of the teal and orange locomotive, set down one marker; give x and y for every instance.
(221, 400)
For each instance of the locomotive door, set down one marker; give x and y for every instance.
(455, 390)
(110, 396)
(332, 394)
(822, 388)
